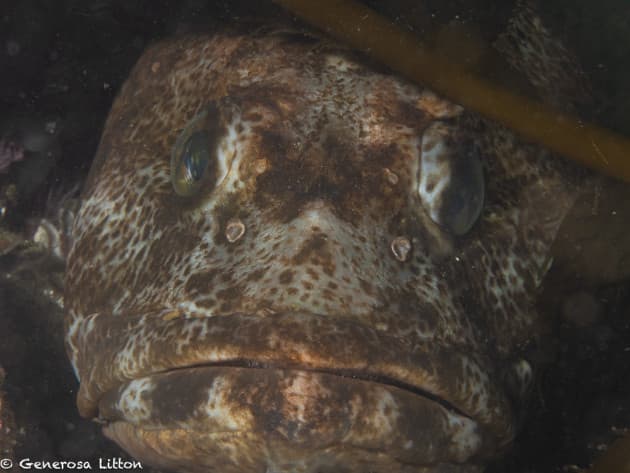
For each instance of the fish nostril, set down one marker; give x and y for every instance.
(261, 165)
(401, 247)
(234, 230)
(391, 176)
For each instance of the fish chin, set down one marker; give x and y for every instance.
(235, 419)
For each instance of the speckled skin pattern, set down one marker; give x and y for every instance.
(303, 311)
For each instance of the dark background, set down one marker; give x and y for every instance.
(61, 64)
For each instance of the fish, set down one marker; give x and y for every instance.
(289, 259)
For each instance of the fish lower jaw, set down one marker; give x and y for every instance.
(235, 418)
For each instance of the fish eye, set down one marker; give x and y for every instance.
(451, 184)
(192, 160)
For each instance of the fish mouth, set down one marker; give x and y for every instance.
(290, 386)
(349, 374)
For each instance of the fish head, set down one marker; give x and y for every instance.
(289, 260)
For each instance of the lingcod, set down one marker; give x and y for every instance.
(289, 259)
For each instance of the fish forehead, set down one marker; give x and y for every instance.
(320, 161)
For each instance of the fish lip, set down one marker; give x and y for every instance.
(352, 374)
(105, 356)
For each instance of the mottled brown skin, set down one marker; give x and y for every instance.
(302, 312)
